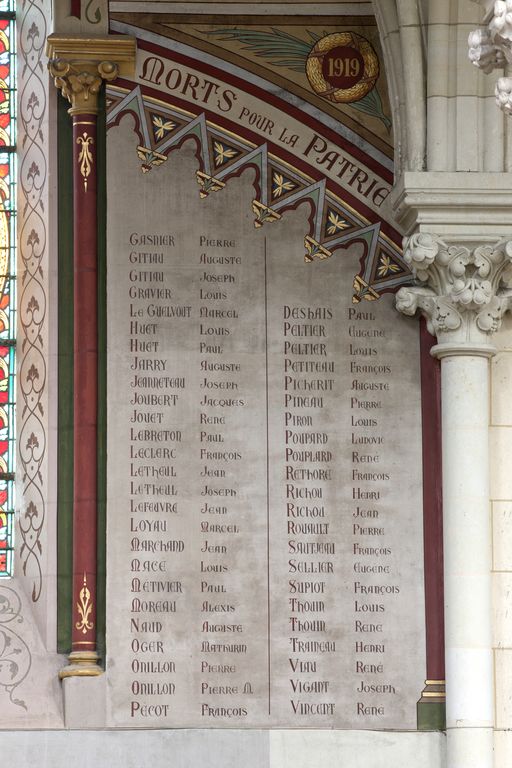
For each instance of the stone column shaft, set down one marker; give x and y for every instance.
(467, 561)
(431, 709)
(85, 383)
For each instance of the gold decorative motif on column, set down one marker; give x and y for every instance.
(85, 156)
(84, 608)
(434, 689)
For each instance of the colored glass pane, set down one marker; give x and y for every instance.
(7, 282)
(7, 83)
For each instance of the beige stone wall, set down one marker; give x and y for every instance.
(501, 510)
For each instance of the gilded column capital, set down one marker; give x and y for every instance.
(462, 289)
(80, 64)
(80, 82)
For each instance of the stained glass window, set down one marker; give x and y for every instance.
(7, 279)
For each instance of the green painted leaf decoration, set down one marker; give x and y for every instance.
(371, 104)
(285, 50)
(282, 49)
(316, 36)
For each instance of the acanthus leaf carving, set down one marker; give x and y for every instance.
(501, 22)
(490, 48)
(463, 292)
(483, 53)
(489, 319)
(420, 251)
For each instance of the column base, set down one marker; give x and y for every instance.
(431, 708)
(82, 664)
(462, 350)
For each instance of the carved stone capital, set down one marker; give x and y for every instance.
(490, 48)
(462, 291)
(80, 64)
(483, 53)
(500, 25)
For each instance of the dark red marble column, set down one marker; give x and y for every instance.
(430, 716)
(79, 66)
(85, 388)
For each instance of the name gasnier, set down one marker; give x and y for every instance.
(137, 238)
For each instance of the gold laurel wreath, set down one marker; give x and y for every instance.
(340, 95)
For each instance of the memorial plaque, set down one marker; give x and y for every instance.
(264, 541)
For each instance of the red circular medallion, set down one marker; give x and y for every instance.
(342, 67)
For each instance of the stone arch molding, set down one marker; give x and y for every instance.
(400, 24)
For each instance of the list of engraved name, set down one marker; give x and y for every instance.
(256, 489)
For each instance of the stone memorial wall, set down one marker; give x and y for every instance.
(264, 541)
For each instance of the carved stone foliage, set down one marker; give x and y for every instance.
(462, 291)
(32, 373)
(15, 657)
(490, 48)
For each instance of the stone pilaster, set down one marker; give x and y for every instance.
(459, 248)
(462, 289)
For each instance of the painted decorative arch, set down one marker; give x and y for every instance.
(163, 127)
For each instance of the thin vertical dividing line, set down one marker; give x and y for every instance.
(268, 481)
